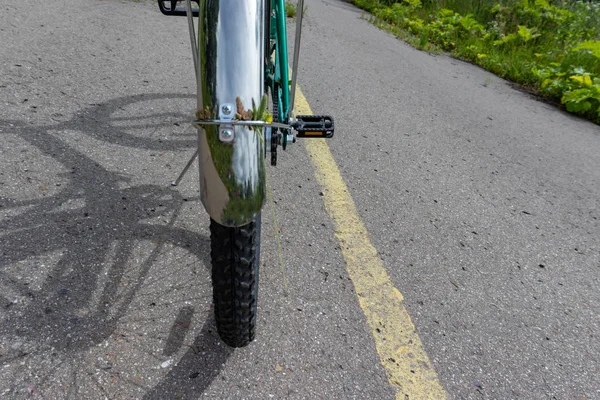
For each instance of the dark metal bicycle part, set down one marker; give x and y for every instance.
(185, 169)
(275, 133)
(175, 8)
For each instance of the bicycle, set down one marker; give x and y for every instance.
(240, 59)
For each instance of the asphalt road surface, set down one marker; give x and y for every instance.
(482, 204)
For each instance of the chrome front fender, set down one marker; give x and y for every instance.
(231, 69)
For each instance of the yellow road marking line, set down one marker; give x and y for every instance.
(400, 350)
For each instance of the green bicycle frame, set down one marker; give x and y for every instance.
(278, 33)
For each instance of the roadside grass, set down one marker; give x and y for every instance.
(291, 9)
(551, 49)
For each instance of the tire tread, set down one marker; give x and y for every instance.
(235, 259)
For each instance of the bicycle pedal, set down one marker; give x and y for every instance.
(314, 126)
(175, 7)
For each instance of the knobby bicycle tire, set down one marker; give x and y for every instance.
(235, 257)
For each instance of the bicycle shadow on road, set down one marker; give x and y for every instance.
(83, 243)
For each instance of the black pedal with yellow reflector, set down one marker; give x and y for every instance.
(313, 126)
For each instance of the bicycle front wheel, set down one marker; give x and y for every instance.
(235, 257)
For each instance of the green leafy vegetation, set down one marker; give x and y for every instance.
(291, 9)
(552, 47)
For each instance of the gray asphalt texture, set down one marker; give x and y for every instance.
(482, 202)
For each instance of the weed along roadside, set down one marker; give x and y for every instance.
(551, 47)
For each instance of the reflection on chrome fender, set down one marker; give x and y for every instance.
(231, 66)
